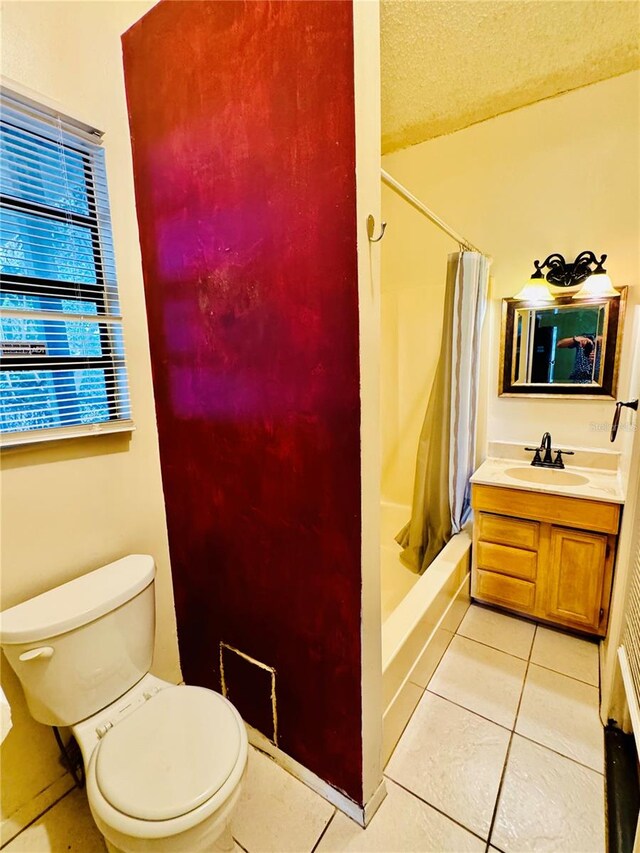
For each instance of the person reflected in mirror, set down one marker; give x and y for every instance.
(586, 367)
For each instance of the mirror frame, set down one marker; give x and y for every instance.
(615, 323)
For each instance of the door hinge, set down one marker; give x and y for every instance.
(601, 613)
(607, 551)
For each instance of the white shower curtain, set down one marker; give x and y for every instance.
(446, 449)
(470, 302)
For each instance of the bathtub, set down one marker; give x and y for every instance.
(420, 615)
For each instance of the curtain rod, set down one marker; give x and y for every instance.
(415, 202)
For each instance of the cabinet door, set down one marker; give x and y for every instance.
(573, 593)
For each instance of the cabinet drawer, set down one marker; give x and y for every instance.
(556, 509)
(515, 562)
(508, 531)
(506, 591)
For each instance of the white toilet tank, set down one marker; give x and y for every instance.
(80, 646)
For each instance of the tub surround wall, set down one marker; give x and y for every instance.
(72, 506)
(242, 124)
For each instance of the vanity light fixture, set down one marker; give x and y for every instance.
(586, 269)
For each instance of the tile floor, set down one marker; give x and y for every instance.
(503, 752)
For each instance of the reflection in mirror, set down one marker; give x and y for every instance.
(570, 346)
(559, 344)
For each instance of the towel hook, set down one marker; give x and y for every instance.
(371, 227)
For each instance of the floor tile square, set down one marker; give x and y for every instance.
(481, 679)
(548, 803)
(505, 633)
(562, 713)
(402, 824)
(276, 813)
(566, 654)
(453, 759)
(66, 826)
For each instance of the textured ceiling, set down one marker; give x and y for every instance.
(446, 65)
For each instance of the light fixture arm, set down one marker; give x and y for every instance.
(563, 274)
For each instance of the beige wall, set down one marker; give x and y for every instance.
(68, 507)
(560, 175)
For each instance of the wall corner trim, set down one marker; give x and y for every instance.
(373, 804)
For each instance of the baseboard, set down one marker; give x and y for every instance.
(360, 814)
(31, 811)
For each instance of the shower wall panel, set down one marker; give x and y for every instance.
(242, 126)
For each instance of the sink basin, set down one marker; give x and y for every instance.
(547, 476)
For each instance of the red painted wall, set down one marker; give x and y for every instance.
(242, 125)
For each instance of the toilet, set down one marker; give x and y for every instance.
(163, 763)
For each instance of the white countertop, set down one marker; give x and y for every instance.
(601, 485)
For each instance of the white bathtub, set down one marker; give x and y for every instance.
(420, 615)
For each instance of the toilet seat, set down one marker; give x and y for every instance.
(170, 756)
(146, 792)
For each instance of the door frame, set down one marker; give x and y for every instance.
(613, 703)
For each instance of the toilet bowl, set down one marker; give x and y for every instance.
(166, 775)
(163, 763)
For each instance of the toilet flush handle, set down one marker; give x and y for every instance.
(32, 654)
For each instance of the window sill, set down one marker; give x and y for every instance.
(41, 436)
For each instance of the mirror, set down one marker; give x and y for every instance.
(567, 347)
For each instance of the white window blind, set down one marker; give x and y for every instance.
(62, 360)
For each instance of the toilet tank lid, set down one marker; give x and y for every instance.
(77, 602)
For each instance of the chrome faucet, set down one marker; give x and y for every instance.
(547, 461)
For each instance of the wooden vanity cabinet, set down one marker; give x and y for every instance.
(546, 556)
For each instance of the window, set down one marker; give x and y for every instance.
(62, 367)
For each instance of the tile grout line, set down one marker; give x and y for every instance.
(486, 719)
(559, 754)
(572, 677)
(436, 809)
(535, 663)
(530, 662)
(469, 710)
(508, 753)
(326, 827)
(42, 814)
(489, 646)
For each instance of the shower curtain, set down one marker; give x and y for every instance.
(447, 444)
